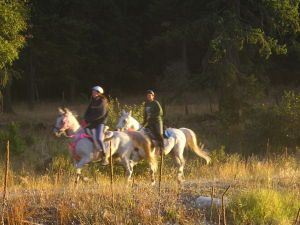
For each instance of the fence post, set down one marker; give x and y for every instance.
(268, 149)
(211, 203)
(223, 206)
(159, 180)
(5, 182)
(297, 222)
(111, 176)
(112, 181)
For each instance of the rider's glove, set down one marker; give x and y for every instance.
(83, 123)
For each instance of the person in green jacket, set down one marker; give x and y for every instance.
(153, 117)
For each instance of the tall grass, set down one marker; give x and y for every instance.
(41, 183)
(264, 206)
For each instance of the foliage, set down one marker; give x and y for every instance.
(12, 134)
(215, 44)
(263, 206)
(13, 22)
(232, 40)
(61, 164)
(278, 125)
(218, 155)
(115, 109)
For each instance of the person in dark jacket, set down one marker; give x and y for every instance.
(96, 118)
(153, 118)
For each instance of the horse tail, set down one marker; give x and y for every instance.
(142, 142)
(191, 142)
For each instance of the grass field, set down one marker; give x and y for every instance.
(41, 183)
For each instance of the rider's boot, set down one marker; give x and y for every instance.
(105, 155)
(104, 160)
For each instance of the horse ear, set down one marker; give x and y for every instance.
(106, 128)
(66, 110)
(123, 112)
(129, 113)
(61, 111)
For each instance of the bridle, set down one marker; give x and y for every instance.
(60, 130)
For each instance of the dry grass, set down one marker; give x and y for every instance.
(44, 193)
(52, 198)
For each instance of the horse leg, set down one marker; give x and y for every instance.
(152, 177)
(180, 162)
(153, 168)
(168, 145)
(128, 168)
(79, 166)
(78, 174)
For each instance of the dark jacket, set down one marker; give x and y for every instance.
(96, 112)
(153, 112)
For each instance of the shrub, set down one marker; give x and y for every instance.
(12, 133)
(262, 207)
(278, 125)
(61, 163)
(115, 109)
(218, 155)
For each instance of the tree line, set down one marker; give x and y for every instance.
(237, 49)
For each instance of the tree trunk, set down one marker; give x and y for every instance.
(72, 90)
(186, 74)
(7, 102)
(30, 82)
(184, 57)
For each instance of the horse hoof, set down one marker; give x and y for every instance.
(180, 180)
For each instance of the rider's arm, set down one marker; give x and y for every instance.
(97, 110)
(145, 117)
(157, 110)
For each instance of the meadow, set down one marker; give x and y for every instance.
(41, 190)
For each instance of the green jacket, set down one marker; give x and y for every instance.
(152, 112)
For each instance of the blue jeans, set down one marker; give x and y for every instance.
(99, 132)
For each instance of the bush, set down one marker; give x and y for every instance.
(278, 125)
(12, 134)
(61, 163)
(218, 155)
(115, 109)
(262, 207)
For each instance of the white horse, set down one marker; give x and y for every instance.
(178, 140)
(128, 147)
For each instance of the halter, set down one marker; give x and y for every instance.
(76, 139)
(64, 122)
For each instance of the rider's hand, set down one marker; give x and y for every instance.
(83, 123)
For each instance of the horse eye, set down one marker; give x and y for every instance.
(62, 122)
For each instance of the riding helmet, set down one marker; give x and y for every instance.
(98, 89)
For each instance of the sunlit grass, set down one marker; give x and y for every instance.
(41, 181)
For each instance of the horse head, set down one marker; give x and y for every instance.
(125, 121)
(65, 121)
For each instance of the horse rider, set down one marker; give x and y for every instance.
(153, 117)
(95, 118)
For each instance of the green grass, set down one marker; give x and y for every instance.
(264, 206)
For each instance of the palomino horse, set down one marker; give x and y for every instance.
(129, 147)
(178, 140)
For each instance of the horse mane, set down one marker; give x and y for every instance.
(141, 141)
(72, 112)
